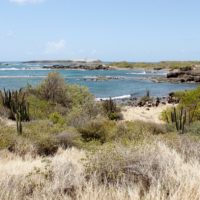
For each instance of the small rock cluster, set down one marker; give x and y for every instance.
(149, 101)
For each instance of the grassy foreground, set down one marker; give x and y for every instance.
(72, 147)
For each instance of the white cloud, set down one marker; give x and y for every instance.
(21, 2)
(55, 46)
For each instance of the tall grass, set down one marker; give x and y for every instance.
(151, 172)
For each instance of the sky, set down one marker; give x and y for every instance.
(110, 30)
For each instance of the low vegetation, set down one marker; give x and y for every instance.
(73, 147)
(158, 65)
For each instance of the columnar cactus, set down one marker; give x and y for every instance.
(16, 102)
(179, 119)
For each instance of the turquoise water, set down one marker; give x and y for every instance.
(17, 75)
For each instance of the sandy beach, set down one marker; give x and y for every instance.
(152, 114)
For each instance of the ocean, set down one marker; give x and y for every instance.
(117, 83)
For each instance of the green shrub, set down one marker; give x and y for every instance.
(39, 109)
(137, 132)
(190, 100)
(56, 118)
(54, 89)
(79, 95)
(42, 134)
(112, 110)
(80, 115)
(99, 129)
(115, 116)
(7, 137)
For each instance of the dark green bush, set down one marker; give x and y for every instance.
(98, 129)
(115, 116)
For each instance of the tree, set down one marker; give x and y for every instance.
(54, 89)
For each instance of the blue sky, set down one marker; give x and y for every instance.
(132, 30)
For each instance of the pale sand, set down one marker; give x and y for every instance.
(142, 113)
(7, 122)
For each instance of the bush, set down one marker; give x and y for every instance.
(111, 110)
(120, 165)
(80, 115)
(4, 112)
(56, 118)
(190, 100)
(99, 129)
(115, 116)
(39, 108)
(46, 145)
(156, 129)
(7, 137)
(22, 147)
(151, 169)
(42, 135)
(79, 95)
(194, 128)
(67, 139)
(54, 88)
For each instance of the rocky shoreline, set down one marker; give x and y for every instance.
(145, 101)
(182, 75)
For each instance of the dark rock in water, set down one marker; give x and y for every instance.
(101, 78)
(183, 75)
(197, 79)
(187, 68)
(175, 74)
(157, 68)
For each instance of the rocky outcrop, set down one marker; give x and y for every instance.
(79, 66)
(102, 78)
(182, 75)
(186, 74)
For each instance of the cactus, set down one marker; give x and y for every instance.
(109, 106)
(19, 123)
(16, 102)
(148, 93)
(179, 119)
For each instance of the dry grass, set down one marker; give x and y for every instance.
(151, 172)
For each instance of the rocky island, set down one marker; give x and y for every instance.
(71, 64)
